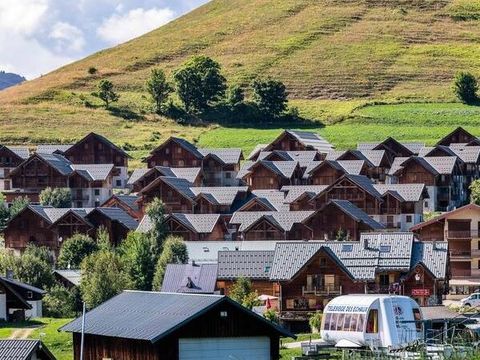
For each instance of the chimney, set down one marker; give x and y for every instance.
(434, 244)
(9, 274)
(365, 244)
(193, 263)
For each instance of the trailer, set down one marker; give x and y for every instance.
(375, 322)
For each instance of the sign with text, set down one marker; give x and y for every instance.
(420, 292)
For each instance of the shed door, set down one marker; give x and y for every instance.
(238, 348)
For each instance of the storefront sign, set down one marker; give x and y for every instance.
(420, 292)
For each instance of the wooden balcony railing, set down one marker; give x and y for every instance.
(322, 290)
(461, 273)
(462, 234)
(460, 253)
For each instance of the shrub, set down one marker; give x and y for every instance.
(74, 250)
(56, 197)
(61, 302)
(271, 315)
(92, 70)
(466, 87)
(315, 321)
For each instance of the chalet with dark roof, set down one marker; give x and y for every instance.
(140, 178)
(311, 273)
(329, 171)
(265, 174)
(19, 301)
(97, 149)
(294, 141)
(251, 226)
(128, 203)
(172, 326)
(254, 265)
(117, 222)
(190, 278)
(24, 349)
(45, 226)
(90, 184)
(393, 148)
(10, 158)
(441, 175)
(459, 135)
(197, 227)
(300, 197)
(264, 200)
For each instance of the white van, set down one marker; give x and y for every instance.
(473, 300)
(372, 321)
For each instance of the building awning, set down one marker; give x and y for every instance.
(464, 282)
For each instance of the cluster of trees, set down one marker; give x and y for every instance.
(466, 87)
(8, 213)
(200, 86)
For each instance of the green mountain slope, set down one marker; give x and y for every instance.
(336, 56)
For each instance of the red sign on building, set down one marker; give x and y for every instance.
(420, 292)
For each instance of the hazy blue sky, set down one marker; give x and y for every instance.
(37, 36)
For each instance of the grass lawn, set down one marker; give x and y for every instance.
(59, 343)
(289, 353)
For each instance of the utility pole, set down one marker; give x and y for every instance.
(83, 331)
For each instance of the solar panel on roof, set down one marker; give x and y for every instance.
(385, 248)
(347, 248)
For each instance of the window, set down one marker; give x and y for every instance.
(97, 203)
(418, 319)
(333, 322)
(29, 295)
(347, 321)
(384, 280)
(409, 218)
(228, 175)
(167, 151)
(385, 248)
(372, 322)
(118, 182)
(270, 181)
(340, 319)
(425, 204)
(326, 321)
(96, 192)
(181, 163)
(179, 150)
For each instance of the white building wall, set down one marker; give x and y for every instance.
(35, 311)
(120, 181)
(430, 204)
(3, 306)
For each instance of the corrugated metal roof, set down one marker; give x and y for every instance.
(23, 349)
(312, 139)
(190, 278)
(119, 215)
(433, 255)
(150, 315)
(59, 162)
(249, 264)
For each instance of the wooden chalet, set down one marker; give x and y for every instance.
(24, 349)
(329, 171)
(309, 274)
(341, 220)
(459, 135)
(117, 222)
(97, 149)
(441, 175)
(45, 226)
(10, 158)
(393, 148)
(461, 229)
(264, 200)
(265, 174)
(175, 152)
(293, 140)
(251, 226)
(300, 197)
(254, 265)
(197, 227)
(128, 203)
(174, 326)
(19, 301)
(140, 178)
(174, 192)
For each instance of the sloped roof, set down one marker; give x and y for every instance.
(221, 195)
(303, 157)
(245, 169)
(365, 183)
(198, 223)
(282, 168)
(22, 285)
(312, 139)
(445, 215)
(413, 147)
(361, 259)
(353, 167)
(93, 172)
(284, 220)
(181, 185)
(51, 148)
(74, 276)
(256, 150)
(189, 174)
(21, 151)
(183, 143)
(59, 162)
(433, 255)
(23, 349)
(129, 200)
(437, 165)
(249, 264)
(118, 215)
(273, 199)
(100, 138)
(226, 156)
(145, 225)
(468, 154)
(137, 174)
(408, 192)
(459, 129)
(52, 215)
(150, 316)
(293, 192)
(357, 213)
(190, 278)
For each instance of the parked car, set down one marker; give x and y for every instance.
(473, 300)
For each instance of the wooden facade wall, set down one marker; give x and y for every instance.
(434, 231)
(36, 174)
(287, 142)
(210, 324)
(328, 222)
(172, 154)
(414, 173)
(261, 286)
(92, 150)
(172, 199)
(177, 229)
(325, 175)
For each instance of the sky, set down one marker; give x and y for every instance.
(38, 36)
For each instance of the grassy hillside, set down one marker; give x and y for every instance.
(339, 59)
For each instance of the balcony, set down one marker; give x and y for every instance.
(461, 234)
(461, 273)
(460, 254)
(322, 290)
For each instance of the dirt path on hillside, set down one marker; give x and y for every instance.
(22, 333)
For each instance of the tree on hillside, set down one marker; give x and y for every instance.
(106, 92)
(159, 88)
(475, 192)
(466, 87)
(8, 213)
(56, 197)
(74, 250)
(243, 293)
(199, 82)
(234, 96)
(270, 96)
(174, 252)
(103, 276)
(139, 259)
(156, 214)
